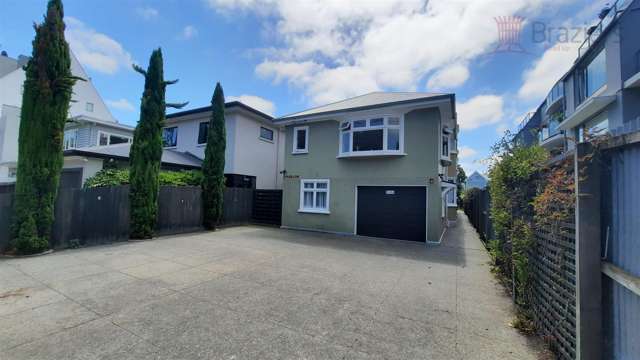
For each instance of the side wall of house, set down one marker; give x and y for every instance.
(255, 156)
(421, 137)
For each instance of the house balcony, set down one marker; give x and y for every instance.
(633, 82)
(553, 142)
(587, 109)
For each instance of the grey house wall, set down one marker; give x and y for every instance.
(421, 143)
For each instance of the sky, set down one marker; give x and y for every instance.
(284, 56)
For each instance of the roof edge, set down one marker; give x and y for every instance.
(227, 105)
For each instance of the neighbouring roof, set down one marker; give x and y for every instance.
(84, 118)
(367, 101)
(228, 105)
(121, 151)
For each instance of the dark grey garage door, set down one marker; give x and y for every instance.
(394, 212)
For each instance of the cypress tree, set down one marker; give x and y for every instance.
(45, 105)
(213, 166)
(146, 151)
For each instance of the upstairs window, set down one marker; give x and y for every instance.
(203, 133)
(170, 136)
(70, 139)
(301, 140)
(89, 107)
(590, 78)
(266, 134)
(111, 139)
(445, 145)
(375, 135)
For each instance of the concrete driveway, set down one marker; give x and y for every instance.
(259, 293)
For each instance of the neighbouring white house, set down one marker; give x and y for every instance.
(254, 155)
(90, 122)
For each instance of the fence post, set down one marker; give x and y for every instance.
(588, 276)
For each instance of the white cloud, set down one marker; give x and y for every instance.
(449, 77)
(95, 50)
(391, 45)
(548, 69)
(501, 129)
(465, 152)
(189, 32)
(256, 102)
(147, 12)
(480, 111)
(121, 104)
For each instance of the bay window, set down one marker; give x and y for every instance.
(314, 196)
(377, 135)
(105, 138)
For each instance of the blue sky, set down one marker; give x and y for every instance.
(283, 56)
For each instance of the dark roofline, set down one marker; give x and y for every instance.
(228, 105)
(77, 152)
(451, 97)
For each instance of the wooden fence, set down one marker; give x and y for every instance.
(101, 215)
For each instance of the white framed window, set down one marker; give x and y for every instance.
(203, 132)
(314, 196)
(266, 134)
(445, 154)
(170, 136)
(300, 140)
(89, 107)
(13, 172)
(105, 138)
(70, 139)
(378, 135)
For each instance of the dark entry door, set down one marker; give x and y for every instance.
(394, 212)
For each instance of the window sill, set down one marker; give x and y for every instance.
(170, 147)
(266, 140)
(370, 154)
(314, 211)
(201, 145)
(299, 152)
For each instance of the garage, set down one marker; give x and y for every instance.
(393, 212)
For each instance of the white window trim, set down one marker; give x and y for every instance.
(100, 132)
(197, 136)
(385, 128)
(314, 210)
(75, 137)
(273, 134)
(448, 156)
(295, 149)
(176, 145)
(447, 188)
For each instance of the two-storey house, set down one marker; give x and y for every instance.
(255, 145)
(380, 164)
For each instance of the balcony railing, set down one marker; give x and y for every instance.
(605, 20)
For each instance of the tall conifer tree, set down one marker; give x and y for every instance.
(146, 151)
(45, 105)
(213, 166)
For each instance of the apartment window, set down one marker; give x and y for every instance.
(596, 73)
(111, 139)
(591, 78)
(70, 139)
(597, 126)
(203, 132)
(89, 107)
(266, 134)
(301, 140)
(314, 196)
(170, 136)
(376, 135)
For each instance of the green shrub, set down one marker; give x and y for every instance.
(115, 177)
